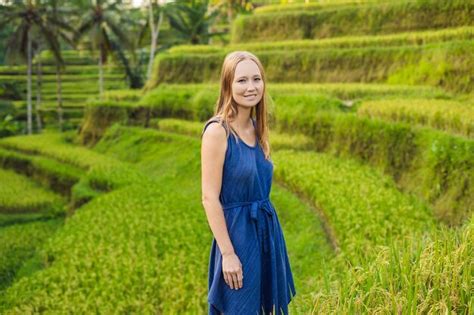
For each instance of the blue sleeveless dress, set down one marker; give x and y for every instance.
(255, 233)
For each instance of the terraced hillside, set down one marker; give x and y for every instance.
(125, 245)
(371, 119)
(79, 81)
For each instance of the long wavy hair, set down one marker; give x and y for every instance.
(226, 108)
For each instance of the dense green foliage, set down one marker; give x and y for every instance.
(18, 244)
(20, 195)
(383, 18)
(454, 117)
(137, 261)
(350, 41)
(449, 65)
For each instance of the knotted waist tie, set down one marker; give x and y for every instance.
(262, 204)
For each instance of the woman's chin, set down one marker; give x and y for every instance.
(248, 104)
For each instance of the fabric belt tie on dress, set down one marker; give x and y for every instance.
(263, 204)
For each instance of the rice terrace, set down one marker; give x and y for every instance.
(371, 119)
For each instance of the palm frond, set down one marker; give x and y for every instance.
(116, 30)
(86, 26)
(52, 41)
(16, 46)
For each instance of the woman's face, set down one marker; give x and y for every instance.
(247, 86)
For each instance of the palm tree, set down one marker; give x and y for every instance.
(191, 19)
(101, 21)
(61, 29)
(39, 81)
(28, 16)
(155, 31)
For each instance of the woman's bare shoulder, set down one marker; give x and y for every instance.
(215, 131)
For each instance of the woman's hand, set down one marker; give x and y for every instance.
(232, 269)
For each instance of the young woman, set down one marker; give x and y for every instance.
(249, 269)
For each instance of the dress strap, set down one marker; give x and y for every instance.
(214, 119)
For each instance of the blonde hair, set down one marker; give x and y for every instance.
(226, 107)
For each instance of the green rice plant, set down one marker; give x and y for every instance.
(179, 126)
(23, 218)
(434, 165)
(109, 102)
(53, 146)
(364, 208)
(444, 64)
(376, 18)
(50, 105)
(18, 244)
(50, 78)
(358, 91)
(50, 114)
(431, 274)
(290, 107)
(67, 97)
(57, 176)
(298, 5)
(102, 171)
(349, 41)
(51, 70)
(73, 87)
(445, 115)
(123, 95)
(171, 101)
(77, 90)
(18, 194)
(144, 247)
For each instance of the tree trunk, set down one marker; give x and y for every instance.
(230, 13)
(39, 84)
(28, 86)
(155, 31)
(209, 27)
(59, 92)
(101, 75)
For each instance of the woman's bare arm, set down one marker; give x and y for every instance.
(213, 148)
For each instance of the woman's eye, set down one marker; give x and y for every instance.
(257, 79)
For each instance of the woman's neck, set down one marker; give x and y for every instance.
(242, 121)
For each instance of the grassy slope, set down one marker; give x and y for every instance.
(144, 247)
(170, 255)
